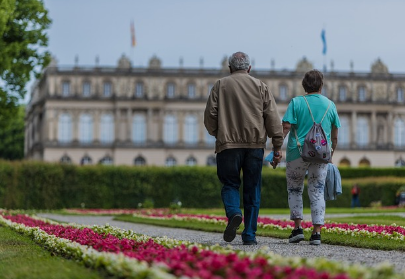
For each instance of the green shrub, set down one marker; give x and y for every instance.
(38, 185)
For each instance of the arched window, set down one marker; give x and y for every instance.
(342, 93)
(190, 129)
(344, 163)
(364, 163)
(139, 129)
(191, 161)
(211, 160)
(85, 128)
(107, 133)
(191, 92)
(170, 129)
(399, 132)
(170, 162)
(209, 140)
(283, 92)
(400, 163)
(362, 131)
(65, 159)
(106, 160)
(170, 90)
(139, 161)
(86, 89)
(344, 132)
(86, 160)
(65, 128)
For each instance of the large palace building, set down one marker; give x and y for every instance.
(153, 116)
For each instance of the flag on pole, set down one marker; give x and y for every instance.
(323, 37)
(133, 40)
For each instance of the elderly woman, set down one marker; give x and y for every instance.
(298, 120)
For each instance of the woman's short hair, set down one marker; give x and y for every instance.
(313, 81)
(239, 61)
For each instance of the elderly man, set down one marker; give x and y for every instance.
(241, 113)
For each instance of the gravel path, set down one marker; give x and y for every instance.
(279, 246)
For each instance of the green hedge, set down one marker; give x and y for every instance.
(37, 185)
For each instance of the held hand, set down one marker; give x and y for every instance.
(276, 159)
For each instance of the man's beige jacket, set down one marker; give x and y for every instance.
(241, 113)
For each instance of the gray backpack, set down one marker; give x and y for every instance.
(316, 148)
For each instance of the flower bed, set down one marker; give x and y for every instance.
(392, 232)
(125, 254)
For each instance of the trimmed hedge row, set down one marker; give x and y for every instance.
(37, 185)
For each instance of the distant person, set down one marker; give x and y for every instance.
(241, 113)
(355, 196)
(298, 120)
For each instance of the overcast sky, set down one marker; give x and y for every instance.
(284, 31)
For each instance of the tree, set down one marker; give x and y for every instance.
(12, 137)
(23, 52)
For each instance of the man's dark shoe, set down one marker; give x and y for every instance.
(250, 242)
(233, 226)
(315, 239)
(296, 236)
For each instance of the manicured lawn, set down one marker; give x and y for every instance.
(270, 211)
(20, 257)
(367, 219)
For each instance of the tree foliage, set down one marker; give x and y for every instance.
(12, 137)
(23, 54)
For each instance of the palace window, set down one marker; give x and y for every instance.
(170, 162)
(362, 132)
(400, 95)
(210, 86)
(342, 93)
(65, 159)
(210, 140)
(139, 90)
(362, 93)
(344, 132)
(190, 129)
(191, 91)
(107, 89)
(324, 91)
(85, 128)
(170, 132)
(107, 133)
(106, 160)
(283, 92)
(399, 133)
(65, 88)
(86, 160)
(211, 160)
(139, 128)
(171, 90)
(191, 161)
(65, 128)
(86, 89)
(139, 161)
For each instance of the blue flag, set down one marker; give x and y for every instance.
(323, 41)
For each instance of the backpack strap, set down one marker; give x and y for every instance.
(311, 111)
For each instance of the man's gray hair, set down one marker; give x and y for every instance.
(239, 61)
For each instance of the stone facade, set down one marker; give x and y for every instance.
(154, 116)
